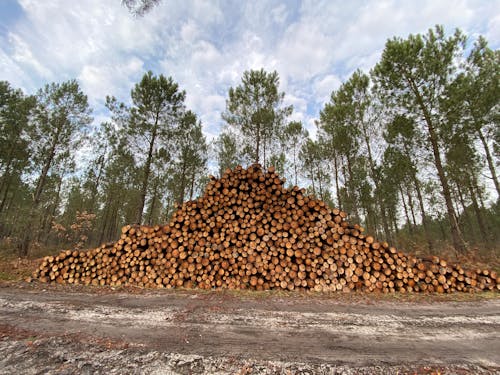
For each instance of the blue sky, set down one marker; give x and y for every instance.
(206, 45)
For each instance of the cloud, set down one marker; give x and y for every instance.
(324, 86)
(13, 72)
(279, 14)
(493, 30)
(23, 55)
(299, 54)
(207, 45)
(77, 39)
(113, 77)
(189, 31)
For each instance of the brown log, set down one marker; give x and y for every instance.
(249, 231)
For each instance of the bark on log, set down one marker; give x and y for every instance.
(249, 232)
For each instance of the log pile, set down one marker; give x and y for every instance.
(249, 232)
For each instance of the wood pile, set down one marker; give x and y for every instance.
(249, 232)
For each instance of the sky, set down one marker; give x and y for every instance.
(205, 46)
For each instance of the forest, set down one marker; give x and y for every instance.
(409, 150)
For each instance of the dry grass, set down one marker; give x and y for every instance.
(484, 256)
(359, 297)
(17, 269)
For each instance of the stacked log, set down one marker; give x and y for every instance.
(250, 232)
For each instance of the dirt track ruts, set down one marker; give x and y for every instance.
(321, 334)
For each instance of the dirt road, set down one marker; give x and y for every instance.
(54, 331)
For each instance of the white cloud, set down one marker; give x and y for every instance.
(67, 37)
(324, 86)
(205, 55)
(299, 107)
(299, 104)
(113, 77)
(311, 127)
(207, 45)
(11, 71)
(24, 56)
(493, 31)
(279, 13)
(189, 31)
(300, 54)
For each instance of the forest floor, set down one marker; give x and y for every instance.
(54, 329)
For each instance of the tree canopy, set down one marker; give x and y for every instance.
(410, 149)
(255, 109)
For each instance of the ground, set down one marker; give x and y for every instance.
(48, 329)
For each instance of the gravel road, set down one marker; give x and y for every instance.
(66, 332)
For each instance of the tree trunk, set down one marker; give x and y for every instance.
(312, 181)
(337, 187)
(114, 222)
(477, 211)
(394, 223)
(441, 227)
(376, 182)
(264, 144)
(147, 171)
(295, 164)
(105, 221)
(479, 193)
(489, 159)
(182, 184)
(46, 228)
(257, 143)
(385, 223)
(6, 175)
(191, 188)
(168, 208)
(320, 184)
(422, 212)
(352, 194)
(6, 188)
(153, 202)
(457, 239)
(482, 206)
(467, 222)
(24, 246)
(412, 208)
(405, 207)
(95, 186)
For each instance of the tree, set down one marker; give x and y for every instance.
(226, 149)
(352, 112)
(94, 171)
(462, 165)
(340, 134)
(157, 107)
(255, 109)
(388, 192)
(120, 186)
(313, 168)
(405, 143)
(140, 7)
(60, 120)
(190, 158)
(15, 108)
(294, 136)
(474, 99)
(413, 74)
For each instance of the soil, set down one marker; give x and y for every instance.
(48, 330)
